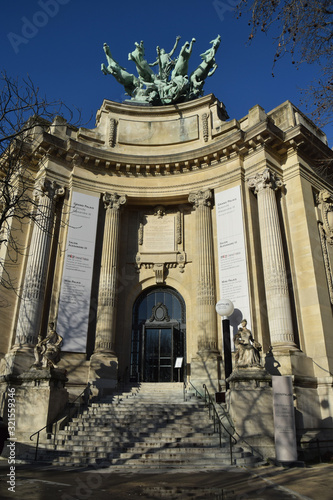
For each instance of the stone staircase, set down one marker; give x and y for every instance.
(148, 426)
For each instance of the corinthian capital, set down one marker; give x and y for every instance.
(46, 187)
(113, 200)
(266, 179)
(201, 198)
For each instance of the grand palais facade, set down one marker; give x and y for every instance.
(154, 216)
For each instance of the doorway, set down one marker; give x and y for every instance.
(158, 355)
(158, 336)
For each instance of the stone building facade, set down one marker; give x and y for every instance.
(156, 214)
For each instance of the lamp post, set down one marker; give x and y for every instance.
(225, 308)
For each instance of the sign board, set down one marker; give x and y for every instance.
(233, 276)
(74, 302)
(284, 419)
(179, 362)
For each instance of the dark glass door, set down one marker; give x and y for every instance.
(158, 356)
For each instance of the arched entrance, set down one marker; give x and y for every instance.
(158, 336)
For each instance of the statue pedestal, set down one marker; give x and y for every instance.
(17, 361)
(250, 403)
(39, 396)
(103, 374)
(205, 369)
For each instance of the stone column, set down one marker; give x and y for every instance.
(103, 363)
(106, 312)
(31, 308)
(275, 275)
(206, 301)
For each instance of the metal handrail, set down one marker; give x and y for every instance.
(197, 392)
(217, 421)
(67, 415)
(324, 443)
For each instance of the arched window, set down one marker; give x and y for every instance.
(158, 336)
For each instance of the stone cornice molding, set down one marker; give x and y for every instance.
(230, 142)
(137, 110)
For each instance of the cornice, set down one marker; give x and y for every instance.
(237, 143)
(149, 111)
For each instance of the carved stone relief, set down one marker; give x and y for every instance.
(325, 226)
(159, 313)
(160, 239)
(113, 130)
(205, 126)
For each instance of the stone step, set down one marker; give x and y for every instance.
(149, 425)
(196, 416)
(183, 429)
(141, 446)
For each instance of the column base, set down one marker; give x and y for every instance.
(251, 408)
(206, 369)
(103, 374)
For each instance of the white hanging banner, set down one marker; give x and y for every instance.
(233, 276)
(74, 302)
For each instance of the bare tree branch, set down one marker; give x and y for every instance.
(24, 116)
(304, 30)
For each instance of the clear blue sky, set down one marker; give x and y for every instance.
(61, 48)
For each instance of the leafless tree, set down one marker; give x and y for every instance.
(304, 29)
(24, 115)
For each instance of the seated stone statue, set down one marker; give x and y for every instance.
(247, 349)
(47, 350)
